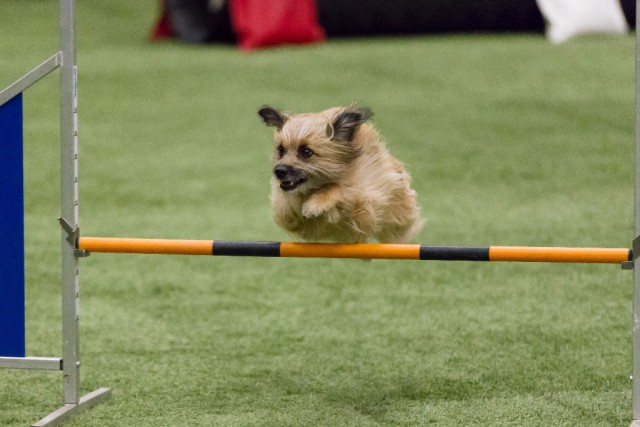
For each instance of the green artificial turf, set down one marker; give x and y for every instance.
(510, 141)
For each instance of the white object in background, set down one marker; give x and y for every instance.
(569, 18)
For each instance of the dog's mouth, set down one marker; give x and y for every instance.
(288, 185)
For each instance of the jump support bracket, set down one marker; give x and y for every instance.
(73, 235)
(635, 254)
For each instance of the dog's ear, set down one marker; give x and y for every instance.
(346, 123)
(272, 117)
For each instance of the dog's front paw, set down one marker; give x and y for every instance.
(312, 210)
(324, 201)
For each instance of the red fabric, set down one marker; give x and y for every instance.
(262, 23)
(162, 29)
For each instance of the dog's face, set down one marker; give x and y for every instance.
(315, 149)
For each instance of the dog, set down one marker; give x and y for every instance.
(334, 180)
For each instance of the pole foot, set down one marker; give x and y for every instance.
(69, 410)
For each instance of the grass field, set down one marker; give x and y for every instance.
(510, 141)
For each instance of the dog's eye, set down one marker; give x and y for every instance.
(281, 151)
(305, 152)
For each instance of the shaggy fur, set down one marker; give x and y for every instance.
(334, 180)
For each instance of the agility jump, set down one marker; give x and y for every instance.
(74, 246)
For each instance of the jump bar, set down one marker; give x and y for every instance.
(359, 250)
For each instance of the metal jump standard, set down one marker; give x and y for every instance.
(74, 246)
(12, 342)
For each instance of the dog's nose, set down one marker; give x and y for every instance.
(281, 171)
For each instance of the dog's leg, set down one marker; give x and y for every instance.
(286, 210)
(324, 201)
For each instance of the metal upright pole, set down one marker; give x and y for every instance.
(635, 379)
(69, 200)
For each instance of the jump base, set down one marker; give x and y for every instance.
(69, 410)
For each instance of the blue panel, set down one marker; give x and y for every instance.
(12, 341)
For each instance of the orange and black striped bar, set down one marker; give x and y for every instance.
(360, 250)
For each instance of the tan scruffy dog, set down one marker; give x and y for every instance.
(334, 180)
